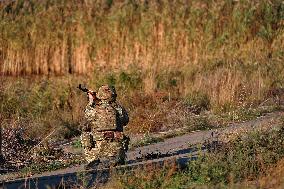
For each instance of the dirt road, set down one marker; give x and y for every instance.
(181, 144)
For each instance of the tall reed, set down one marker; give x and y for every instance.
(59, 37)
(228, 50)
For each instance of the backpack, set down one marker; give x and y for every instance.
(106, 117)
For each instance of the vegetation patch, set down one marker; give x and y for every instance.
(147, 139)
(37, 168)
(243, 159)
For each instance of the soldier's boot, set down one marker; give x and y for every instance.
(92, 164)
(2, 160)
(110, 161)
(121, 159)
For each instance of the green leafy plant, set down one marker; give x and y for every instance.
(77, 144)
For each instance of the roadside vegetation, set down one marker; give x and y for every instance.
(245, 162)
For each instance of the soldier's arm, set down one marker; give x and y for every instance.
(92, 99)
(123, 115)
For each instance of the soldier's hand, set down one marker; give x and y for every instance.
(91, 96)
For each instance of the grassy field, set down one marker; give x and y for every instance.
(169, 61)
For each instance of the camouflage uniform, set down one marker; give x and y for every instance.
(103, 137)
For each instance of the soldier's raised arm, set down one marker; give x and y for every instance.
(92, 99)
(123, 115)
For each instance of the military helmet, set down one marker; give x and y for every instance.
(106, 92)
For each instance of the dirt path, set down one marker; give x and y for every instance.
(181, 145)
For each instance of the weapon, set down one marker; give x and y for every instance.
(84, 89)
(93, 93)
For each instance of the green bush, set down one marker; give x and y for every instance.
(77, 144)
(146, 140)
(199, 123)
(130, 80)
(198, 100)
(169, 80)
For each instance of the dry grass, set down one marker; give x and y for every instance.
(49, 37)
(155, 112)
(274, 176)
(41, 105)
(229, 51)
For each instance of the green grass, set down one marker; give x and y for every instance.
(37, 168)
(146, 140)
(77, 144)
(242, 114)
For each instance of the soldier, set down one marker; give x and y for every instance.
(103, 138)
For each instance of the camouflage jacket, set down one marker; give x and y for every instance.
(91, 111)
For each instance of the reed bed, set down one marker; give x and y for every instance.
(59, 37)
(215, 55)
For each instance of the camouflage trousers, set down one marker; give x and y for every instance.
(102, 149)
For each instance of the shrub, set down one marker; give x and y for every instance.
(198, 100)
